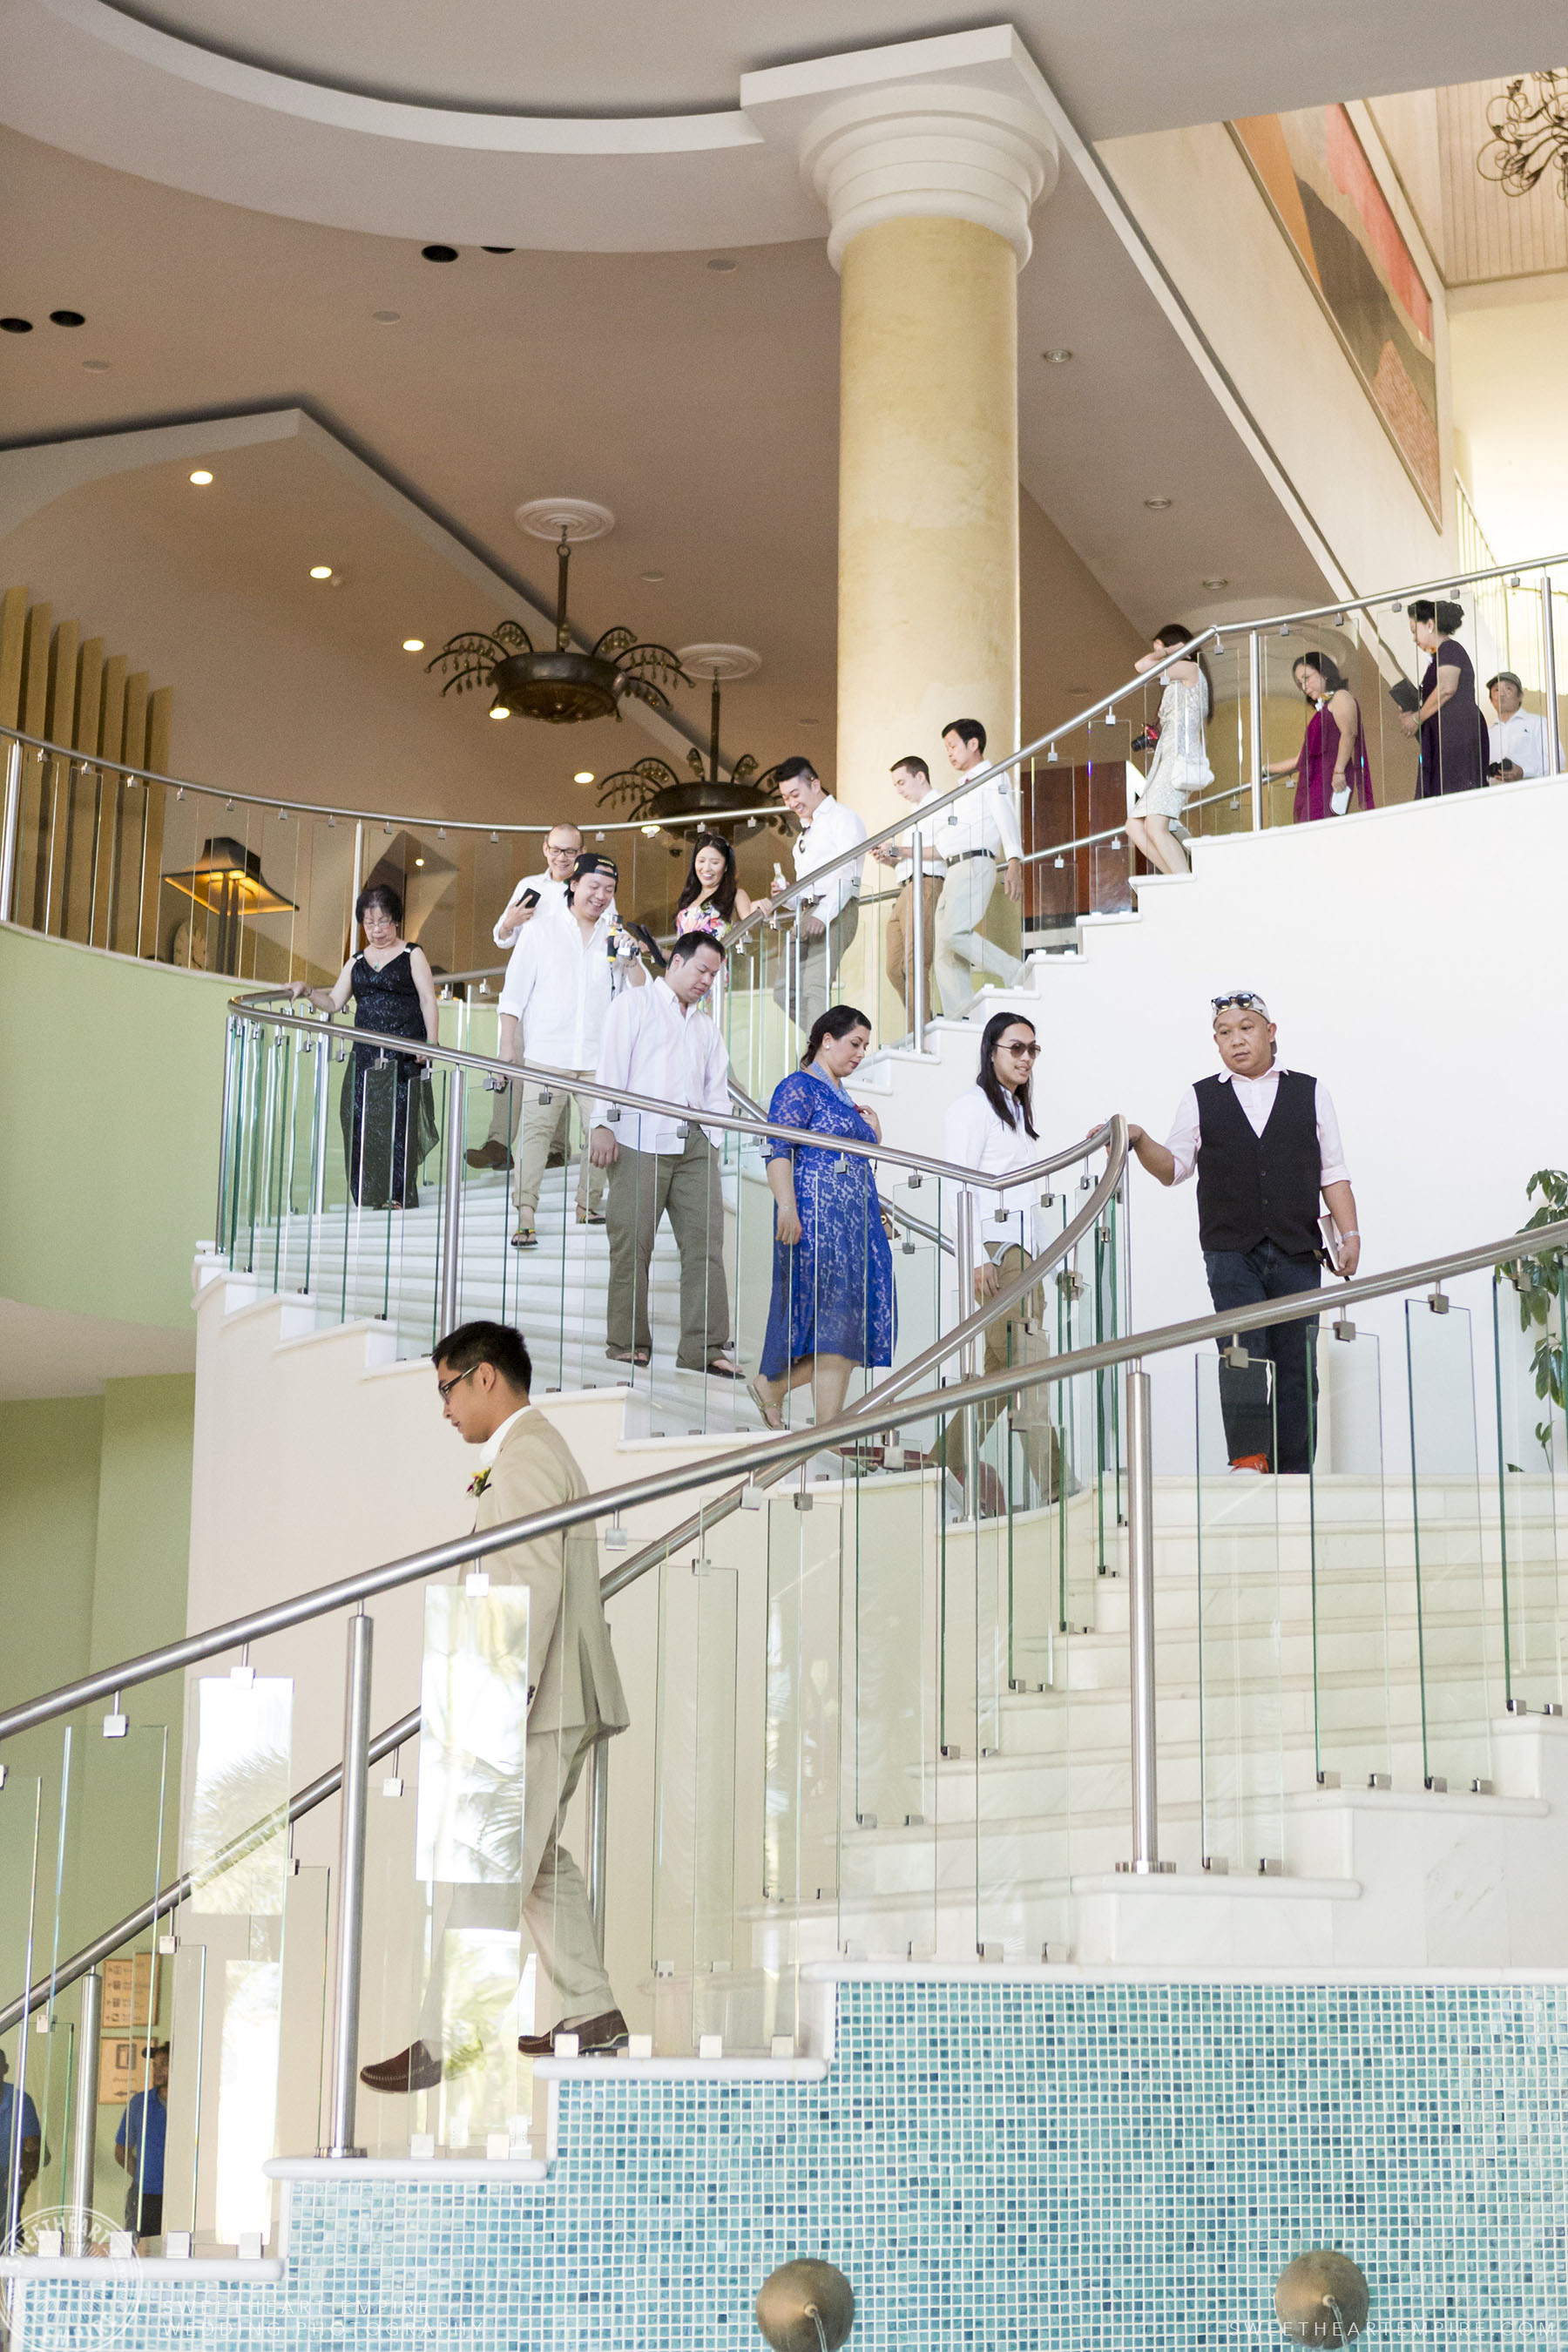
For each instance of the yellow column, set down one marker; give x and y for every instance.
(928, 499)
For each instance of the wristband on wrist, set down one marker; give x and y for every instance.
(1350, 1237)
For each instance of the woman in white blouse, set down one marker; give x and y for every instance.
(990, 1129)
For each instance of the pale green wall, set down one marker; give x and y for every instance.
(95, 1514)
(112, 1076)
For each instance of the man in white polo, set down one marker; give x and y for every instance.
(827, 916)
(558, 990)
(977, 837)
(536, 894)
(1516, 737)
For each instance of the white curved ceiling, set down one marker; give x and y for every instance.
(615, 127)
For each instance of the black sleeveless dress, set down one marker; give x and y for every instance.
(387, 1112)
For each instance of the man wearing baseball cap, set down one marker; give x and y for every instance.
(1264, 1143)
(1516, 737)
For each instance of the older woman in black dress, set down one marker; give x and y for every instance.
(388, 1120)
(1454, 745)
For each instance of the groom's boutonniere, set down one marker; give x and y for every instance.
(477, 1486)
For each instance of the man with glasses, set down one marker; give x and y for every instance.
(1516, 738)
(826, 917)
(1264, 1143)
(483, 1377)
(535, 894)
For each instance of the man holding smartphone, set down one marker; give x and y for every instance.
(562, 847)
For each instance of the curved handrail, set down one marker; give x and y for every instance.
(250, 1007)
(780, 1449)
(493, 826)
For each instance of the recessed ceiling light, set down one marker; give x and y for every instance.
(413, 645)
(722, 263)
(96, 367)
(497, 249)
(1057, 358)
(1157, 506)
(201, 478)
(1217, 583)
(321, 571)
(15, 326)
(651, 831)
(653, 576)
(499, 710)
(67, 318)
(386, 318)
(419, 861)
(439, 252)
(583, 776)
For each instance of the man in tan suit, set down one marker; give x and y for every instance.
(575, 1693)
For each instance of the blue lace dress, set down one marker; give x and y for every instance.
(833, 1292)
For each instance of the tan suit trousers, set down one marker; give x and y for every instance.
(1017, 1339)
(550, 1908)
(643, 1186)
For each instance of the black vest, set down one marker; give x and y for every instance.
(1255, 1188)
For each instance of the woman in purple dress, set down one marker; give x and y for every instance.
(1331, 769)
(1454, 744)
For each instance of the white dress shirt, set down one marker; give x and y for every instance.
(926, 829)
(1256, 1096)
(1517, 743)
(653, 1045)
(552, 893)
(559, 984)
(973, 1137)
(987, 818)
(832, 831)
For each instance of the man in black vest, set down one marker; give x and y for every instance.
(1264, 1143)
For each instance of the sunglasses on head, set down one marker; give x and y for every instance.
(1242, 999)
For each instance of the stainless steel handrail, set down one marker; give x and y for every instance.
(779, 1447)
(251, 1008)
(493, 826)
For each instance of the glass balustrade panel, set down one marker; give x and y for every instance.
(1239, 1519)
(1451, 1568)
(400, 1913)
(1529, 1336)
(1364, 1682)
(26, 1896)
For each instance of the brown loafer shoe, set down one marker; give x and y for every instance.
(488, 1154)
(413, 2068)
(609, 2031)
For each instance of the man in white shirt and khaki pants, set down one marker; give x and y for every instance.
(535, 895)
(826, 918)
(659, 1043)
(911, 781)
(1264, 1143)
(558, 990)
(975, 837)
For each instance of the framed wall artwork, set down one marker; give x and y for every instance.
(1315, 175)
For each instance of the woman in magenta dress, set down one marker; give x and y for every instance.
(1454, 746)
(1331, 769)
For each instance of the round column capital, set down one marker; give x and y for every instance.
(930, 151)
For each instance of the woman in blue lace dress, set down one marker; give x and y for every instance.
(832, 1306)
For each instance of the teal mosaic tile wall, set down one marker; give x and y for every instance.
(997, 2167)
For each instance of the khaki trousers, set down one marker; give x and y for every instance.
(819, 961)
(643, 1186)
(502, 1103)
(961, 950)
(540, 1126)
(550, 1906)
(901, 938)
(1016, 1339)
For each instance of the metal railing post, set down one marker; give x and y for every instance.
(1141, 1626)
(598, 1833)
(1255, 723)
(10, 836)
(452, 1202)
(918, 936)
(84, 2121)
(1549, 678)
(343, 2086)
(231, 1032)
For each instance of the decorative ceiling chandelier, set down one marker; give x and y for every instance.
(562, 686)
(1528, 123)
(661, 794)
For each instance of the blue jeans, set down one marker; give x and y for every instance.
(1286, 1433)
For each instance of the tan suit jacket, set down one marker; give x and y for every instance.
(571, 1665)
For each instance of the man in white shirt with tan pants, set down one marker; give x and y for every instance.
(558, 991)
(975, 837)
(535, 895)
(827, 918)
(659, 1042)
